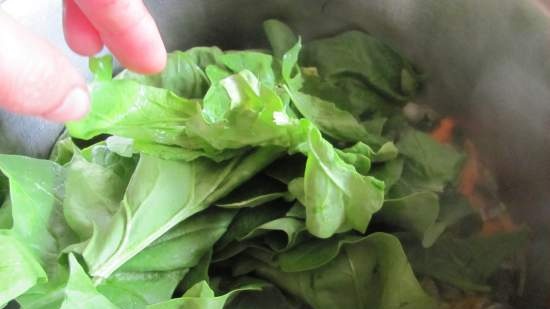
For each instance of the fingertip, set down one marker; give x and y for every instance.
(37, 78)
(129, 31)
(74, 106)
(140, 50)
(81, 45)
(154, 64)
(80, 34)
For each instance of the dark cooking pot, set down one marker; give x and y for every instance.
(487, 62)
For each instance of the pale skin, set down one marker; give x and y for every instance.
(37, 79)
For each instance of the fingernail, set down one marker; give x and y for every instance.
(75, 106)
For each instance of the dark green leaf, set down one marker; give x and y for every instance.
(465, 263)
(257, 191)
(415, 213)
(389, 172)
(199, 272)
(430, 165)
(372, 273)
(268, 298)
(363, 57)
(196, 235)
(282, 233)
(287, 168)
(314, 253)
(280, 36)
(249, 219)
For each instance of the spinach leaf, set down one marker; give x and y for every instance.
(260, 64)
(19, 268)
(63, 151)
(137, 290)
(249, 219)
(280, 234)
(244, 170)
(314, 253)
(257, 191)
(93, 191)
(201, 296)
(465, 263)
(280, 36)
(101, 67)
(372, 273)
(199, 272)
(160, 195)
(50, 294)
(268, 298)
(331, 120)
(196, 234)
(154, 118)
(37, 231)
(367, 59)
(80, 291)
(335, 193)
(35, 204)
(389, 172)
(184, 74)
(430, 165)
(287, 168)
(348, 94)
(453, 209)
(254, 108)
(415, 213)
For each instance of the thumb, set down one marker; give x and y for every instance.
(36, 79)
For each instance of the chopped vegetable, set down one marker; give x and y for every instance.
(249, 179)
(444, 132)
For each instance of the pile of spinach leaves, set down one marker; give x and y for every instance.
(289, 176)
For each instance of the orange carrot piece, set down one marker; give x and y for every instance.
(502, 223)
(444, 132)
(469, 179)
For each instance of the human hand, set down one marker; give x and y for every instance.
(37, 79)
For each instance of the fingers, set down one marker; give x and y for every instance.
(80, 34)
(129, 31)
(36, 78)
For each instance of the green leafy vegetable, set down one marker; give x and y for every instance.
(465, 263)
(359, 55)
(286, 175)
(19, 269)
(80, 291)
(431, 165)
(185, 72)
(139, 222)
(200, 296)
(280, 36)
(372, 273)
(415, 213)
(335, 193)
